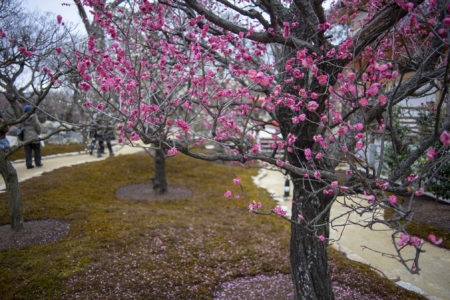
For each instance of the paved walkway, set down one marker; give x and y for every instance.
(51, 163)
(434, 278)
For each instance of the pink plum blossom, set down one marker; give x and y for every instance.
(392, 199)
(358, 127)
(237, 181)
(432, 238)
(342, 130)
(364, 102)
(279, 211)
(322, 79)
(416, 241)
(404, 239)
(227, 194)
(359, 136)
(446, 21)
(291, 138)
(431, 153)
(419, 192)
(280, 163)
(182, 125)
(173, 151)
(312, 106)
(445, 138)
(308, 153)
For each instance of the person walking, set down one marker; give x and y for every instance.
(4, 143)
(103, 132)
(109, 136)
(93, 135)
(31, 131)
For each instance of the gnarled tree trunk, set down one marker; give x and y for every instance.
(159, 180)
(309, 256)
(13, 190)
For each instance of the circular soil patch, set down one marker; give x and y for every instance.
(144, 191)
(275, 287)
(33, 233)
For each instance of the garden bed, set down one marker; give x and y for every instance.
(134, 249)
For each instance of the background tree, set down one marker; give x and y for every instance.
(272, 64)
(30, 66)
(98, 37)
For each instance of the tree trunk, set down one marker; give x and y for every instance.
(160, 181)
(13, 190)
(309, 256)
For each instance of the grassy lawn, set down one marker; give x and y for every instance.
(129, 249)
(49, 150)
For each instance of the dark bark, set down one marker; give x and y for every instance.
(12, 188)
(159, 180)
(309, 256)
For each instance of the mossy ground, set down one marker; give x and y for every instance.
(128, 249)
(416, 228)
(49, 149)
(422, 230)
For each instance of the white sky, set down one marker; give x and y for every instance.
(68, 11)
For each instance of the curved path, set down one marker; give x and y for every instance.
(434, 278)
(62, 160)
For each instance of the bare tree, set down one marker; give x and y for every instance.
(30, 66)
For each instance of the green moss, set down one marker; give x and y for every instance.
(132, 249)
(49, 150)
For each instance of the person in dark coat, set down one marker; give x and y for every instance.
(4, 143)
(101, 132)
(31, 131)
(108, 137)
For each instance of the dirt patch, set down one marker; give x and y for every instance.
(275, 287)
(144, 191)
(429, 211)
(426, 209)
(33, 233)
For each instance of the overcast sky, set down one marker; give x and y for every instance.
(68, 11)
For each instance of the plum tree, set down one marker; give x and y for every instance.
(193, 72)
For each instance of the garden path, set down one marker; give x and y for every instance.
(53, 162)
(433, 280)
